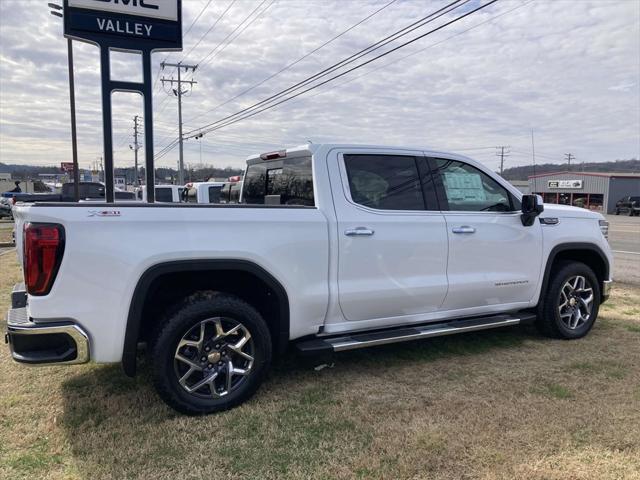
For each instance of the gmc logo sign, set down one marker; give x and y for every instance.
(163, 9)
(133, 3)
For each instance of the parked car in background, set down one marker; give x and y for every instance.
(202, 192)
(87, 191)
(629, 205)
(164, 193)
(231, 192)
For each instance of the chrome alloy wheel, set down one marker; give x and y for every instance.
(214, 357)
(576, 302)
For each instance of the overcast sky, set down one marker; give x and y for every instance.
(569, 70)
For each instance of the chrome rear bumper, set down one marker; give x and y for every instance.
(59, 342)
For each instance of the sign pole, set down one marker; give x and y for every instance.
(107, 136)
(148, 121)
(126, 26)
(74, 139)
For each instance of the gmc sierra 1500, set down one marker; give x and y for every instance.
(333, 247)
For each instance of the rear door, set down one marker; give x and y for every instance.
(493, 259)
(392, 240)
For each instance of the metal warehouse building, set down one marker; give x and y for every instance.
(596, 191)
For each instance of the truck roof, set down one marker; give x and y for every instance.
(311, 148)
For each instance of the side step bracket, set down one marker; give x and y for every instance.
(405, 334)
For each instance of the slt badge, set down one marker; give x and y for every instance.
(104, 213)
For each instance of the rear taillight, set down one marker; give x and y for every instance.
(42, 253)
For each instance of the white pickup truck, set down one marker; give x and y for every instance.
(333, 247)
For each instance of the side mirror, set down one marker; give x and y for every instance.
(532, 206)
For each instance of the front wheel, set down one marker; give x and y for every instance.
(211, 354)
(571, 303)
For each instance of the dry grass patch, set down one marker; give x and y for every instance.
(495, 405)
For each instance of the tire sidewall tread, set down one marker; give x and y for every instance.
(185, 315)
(548, 322)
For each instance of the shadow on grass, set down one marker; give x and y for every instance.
(118, 426)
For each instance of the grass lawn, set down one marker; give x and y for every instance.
(499, 404)
(6, 234)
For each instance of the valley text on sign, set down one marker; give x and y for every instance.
(568, 184)
(124, 23)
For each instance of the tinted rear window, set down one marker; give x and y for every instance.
(284, 182)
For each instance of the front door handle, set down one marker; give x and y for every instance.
(463, 229)
(359, 232)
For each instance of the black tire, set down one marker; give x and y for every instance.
(549, 322)
(617, 212)
(185, 318)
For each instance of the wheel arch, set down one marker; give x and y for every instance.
(588, 253)
(241, 274)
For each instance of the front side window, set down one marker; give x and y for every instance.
(384, 182)
(468, 189)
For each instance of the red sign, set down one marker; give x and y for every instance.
(66, 166)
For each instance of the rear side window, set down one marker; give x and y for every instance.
(163, 194)
(214, 194)
(468, 189)
(282, 182)
(384, 182)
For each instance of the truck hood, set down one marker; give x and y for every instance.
(565, 211)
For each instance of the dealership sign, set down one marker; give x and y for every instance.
(151, 22)
(567, 184)
(137, 26)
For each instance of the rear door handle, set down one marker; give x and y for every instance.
(463, 229)
(359, 232)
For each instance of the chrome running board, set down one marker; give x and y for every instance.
(405, 334)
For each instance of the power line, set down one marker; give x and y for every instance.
(178, 92)
(185, 36)
(569, 157)
(204, 60)
(211, 28)
(219, 124)
(287, 67)
(377, 45)
(240, 32)
(502, 154)
(196, 19)
(385, 65)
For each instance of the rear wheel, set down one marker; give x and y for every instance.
(570, 305)
(211, 354)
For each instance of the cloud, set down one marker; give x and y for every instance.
(570, 70)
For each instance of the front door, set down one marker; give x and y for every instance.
(493, 259)
(392, 239)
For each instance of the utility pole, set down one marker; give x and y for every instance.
(135, 147)
(178, 92)
(502, 154)
(569, 157)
